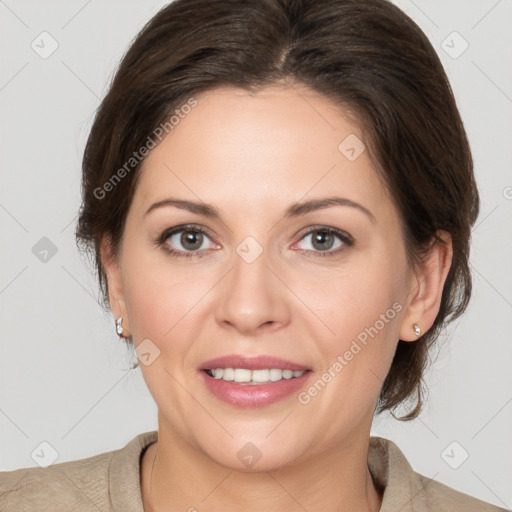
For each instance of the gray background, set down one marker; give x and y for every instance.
(64, 376)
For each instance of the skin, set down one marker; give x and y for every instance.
(251, 156)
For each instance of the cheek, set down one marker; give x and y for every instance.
(156, 295)
(158, 303)
(166, 301)
(362, 305)
(353, 298)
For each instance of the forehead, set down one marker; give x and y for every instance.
(279, 144)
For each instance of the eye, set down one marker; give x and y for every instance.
(326, 241)
(193, 240)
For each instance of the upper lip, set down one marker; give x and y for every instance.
(255, 362)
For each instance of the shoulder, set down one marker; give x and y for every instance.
(442, 498)
(409, 491)
(81, 484)
(68, 484)
(84, 484)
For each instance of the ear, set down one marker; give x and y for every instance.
(115, 284)
(426, 288)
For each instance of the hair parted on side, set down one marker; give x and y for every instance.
(368, 57)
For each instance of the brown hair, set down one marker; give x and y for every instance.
(367, 56)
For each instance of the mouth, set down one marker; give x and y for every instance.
(257, 368)
(246, 376)
(253, 381)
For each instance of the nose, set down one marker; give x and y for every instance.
(252, 298)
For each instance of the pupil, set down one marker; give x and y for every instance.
(322, 237)
(193, 238)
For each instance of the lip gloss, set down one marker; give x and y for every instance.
(253, 395)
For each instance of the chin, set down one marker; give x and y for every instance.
(253, 456)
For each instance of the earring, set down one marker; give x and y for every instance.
(417, 330)
(119, 327)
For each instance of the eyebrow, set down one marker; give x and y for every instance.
(295, 210)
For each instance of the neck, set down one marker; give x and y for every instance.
(173, 473)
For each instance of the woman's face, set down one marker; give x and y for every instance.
(261, 281)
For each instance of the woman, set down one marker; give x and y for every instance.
(279, 196)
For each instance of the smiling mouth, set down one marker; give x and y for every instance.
(244, 376)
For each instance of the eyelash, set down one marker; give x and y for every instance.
(161, 241)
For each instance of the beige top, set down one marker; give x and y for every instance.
(111, 482)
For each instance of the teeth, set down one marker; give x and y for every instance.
(217, 373)
(242, 375)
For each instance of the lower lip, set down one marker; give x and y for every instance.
(254, 395)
